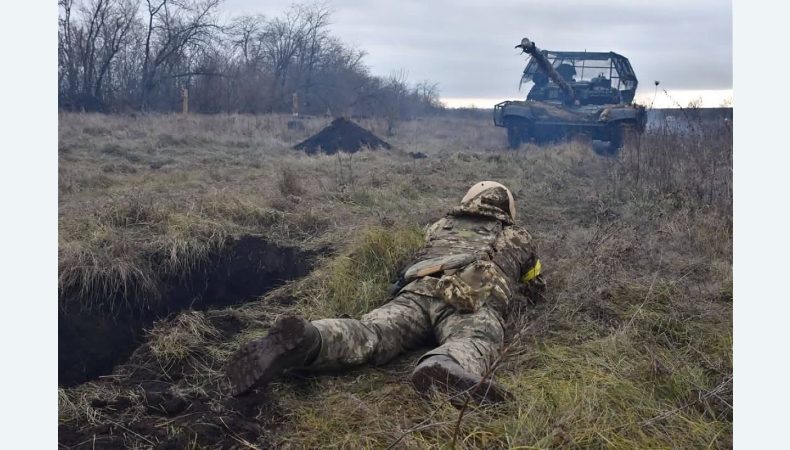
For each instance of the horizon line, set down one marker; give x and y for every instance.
(677, 98)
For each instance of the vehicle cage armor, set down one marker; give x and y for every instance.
(588, 65)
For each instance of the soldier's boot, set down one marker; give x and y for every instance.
(445, 375)
(291, 342)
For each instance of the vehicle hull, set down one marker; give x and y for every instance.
(541, 121)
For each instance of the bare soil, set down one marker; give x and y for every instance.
(149, 406)
(92, 342)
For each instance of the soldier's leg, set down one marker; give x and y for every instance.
(401, 324)
(469, 345)
(473, 340)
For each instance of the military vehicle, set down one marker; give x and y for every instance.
(573, 93)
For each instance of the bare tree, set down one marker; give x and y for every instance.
(314, 38)
(243, 33)
(115, 36)
(174, 28)
(280, 43)
(427, 96)
(67, 66)
(393, 96)
(139, 54)
(88, 46)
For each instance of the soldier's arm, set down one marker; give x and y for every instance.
(516, 256)
(432, 229)
(400, 281)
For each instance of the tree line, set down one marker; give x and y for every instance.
(139, 55)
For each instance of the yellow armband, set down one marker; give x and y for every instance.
(531, 273)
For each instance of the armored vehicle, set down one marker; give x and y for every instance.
(573, 93)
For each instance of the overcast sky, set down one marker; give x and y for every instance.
(466, 46)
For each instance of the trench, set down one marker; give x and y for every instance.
(91, 344)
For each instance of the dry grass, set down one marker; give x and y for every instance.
(157, 194)
(185, 336)
(354, 283)
(632, 347)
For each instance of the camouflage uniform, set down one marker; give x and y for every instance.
(457, 294)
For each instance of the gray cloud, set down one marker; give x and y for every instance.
(467, 45)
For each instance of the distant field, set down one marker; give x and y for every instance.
(688, 119)
(217, 217)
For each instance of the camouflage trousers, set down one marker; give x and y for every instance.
(407, 322)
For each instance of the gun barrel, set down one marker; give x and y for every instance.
(529, 47)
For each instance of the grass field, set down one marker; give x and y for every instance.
(631, 348)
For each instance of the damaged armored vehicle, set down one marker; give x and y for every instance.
(573, 93)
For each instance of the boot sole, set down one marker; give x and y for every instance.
(449, 382)
(256, 362)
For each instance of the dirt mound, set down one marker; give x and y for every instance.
(341, 135)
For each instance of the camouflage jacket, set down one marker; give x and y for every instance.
(473, 256)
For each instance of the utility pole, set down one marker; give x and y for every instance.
(184, 101)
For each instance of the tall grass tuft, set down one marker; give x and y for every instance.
(691, 165)
(358, 281)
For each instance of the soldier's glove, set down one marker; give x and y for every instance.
(397, 285)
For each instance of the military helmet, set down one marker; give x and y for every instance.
(485, 185)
